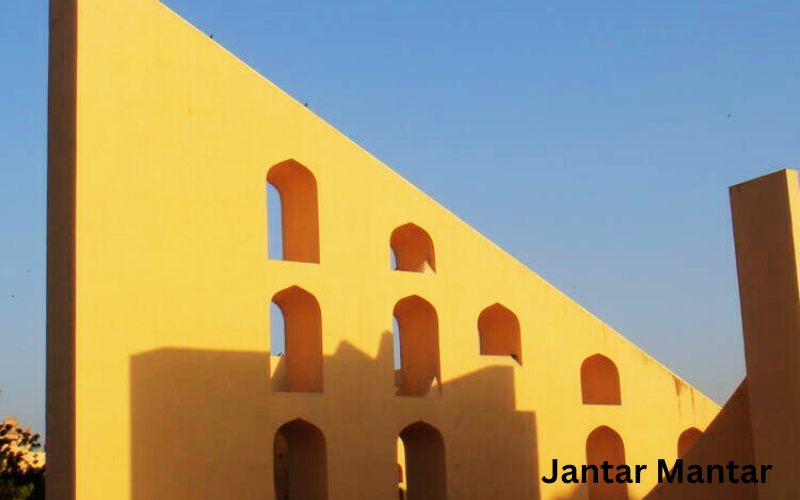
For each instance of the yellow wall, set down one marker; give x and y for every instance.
(173, 139)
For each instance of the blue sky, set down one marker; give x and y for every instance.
(594, 141)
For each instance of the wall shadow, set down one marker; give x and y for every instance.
(493, 444)
(195, 416)
(203, 424)
(729, 437)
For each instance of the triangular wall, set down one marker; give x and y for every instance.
(160, 145)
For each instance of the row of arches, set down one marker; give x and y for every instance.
(293, 223)
(300, 462)
(605, 444)
(293, 190)
(296, 333)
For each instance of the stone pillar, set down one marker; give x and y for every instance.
(766, 218)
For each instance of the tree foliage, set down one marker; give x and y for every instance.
(21, 476)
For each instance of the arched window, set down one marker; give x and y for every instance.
(418, 327)
(498, 329)
(603, 444)
(412, 249)
(300, 463)
(302, 339)
(422, 449)
(298, 238)
(687, 440)
(600, 381)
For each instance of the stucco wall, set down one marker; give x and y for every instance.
(175, 137)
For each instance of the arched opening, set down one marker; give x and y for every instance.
(296, 186)
(302, 339)
(687, 439)
(600, 381)
(422, 449)
(300, 462)
(499, 332)
(412, 249)
(603, 444)
(418, 327)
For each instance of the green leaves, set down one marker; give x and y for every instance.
(9, 490)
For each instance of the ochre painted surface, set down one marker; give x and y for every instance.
(728, 438)
(766, 224)
(687, 440)
(413, 249)
(161, 142)
(600, 384)
(61, 204)
(605, 445)
(758, 425)
(299, 210)
(499, 333)
(418, 326)
(303, 344)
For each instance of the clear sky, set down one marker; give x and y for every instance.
(594, 141)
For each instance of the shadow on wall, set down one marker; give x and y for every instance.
(204, 427)
(728, 437)
(574, 493)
